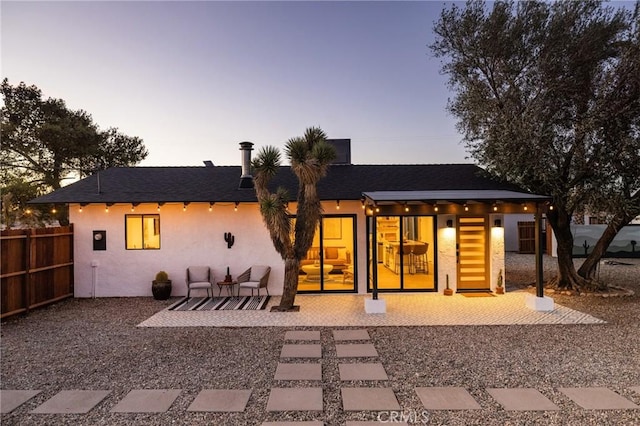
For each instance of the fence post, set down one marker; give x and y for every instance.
(32, 256)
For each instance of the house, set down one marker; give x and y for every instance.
(388, 228)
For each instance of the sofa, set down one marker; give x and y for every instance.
(338, 257)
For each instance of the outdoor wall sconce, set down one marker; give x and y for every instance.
(229, 238)
(449, 223)
(497, 223)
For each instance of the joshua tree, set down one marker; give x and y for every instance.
(310, 156)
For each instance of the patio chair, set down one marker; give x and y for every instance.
(256, 277)
(199, 277)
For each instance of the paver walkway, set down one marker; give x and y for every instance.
(371, 400)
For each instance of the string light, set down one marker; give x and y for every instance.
(435, 207)
(235, 208)
(184, 206)
(211, 203)
(337, 204)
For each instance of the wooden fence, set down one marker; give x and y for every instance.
(37, 268)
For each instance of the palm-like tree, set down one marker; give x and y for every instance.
(310, 156)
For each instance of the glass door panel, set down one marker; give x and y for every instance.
(330, 262)
(407, 263)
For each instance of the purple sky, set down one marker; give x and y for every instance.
(193, 79)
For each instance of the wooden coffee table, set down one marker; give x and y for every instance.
(229, 286)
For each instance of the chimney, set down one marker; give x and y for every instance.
(246, 180)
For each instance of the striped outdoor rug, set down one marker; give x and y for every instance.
(220, 303)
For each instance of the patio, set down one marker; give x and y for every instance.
(418, 309)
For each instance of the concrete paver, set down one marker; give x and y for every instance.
(362, 371)
(302, 335)
(221, 400)
(339, 335)
(72, 401)
(12, 399)
(376, 399)
(355, 350)
(522, 399)
(598, 398)
(298, 371)
(295, 399)
(301, 350)
(446, 398)
(147, 401)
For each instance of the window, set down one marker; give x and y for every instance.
(142, 231)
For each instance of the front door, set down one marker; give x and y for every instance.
(473, 264)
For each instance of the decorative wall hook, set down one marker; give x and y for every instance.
(229, 238)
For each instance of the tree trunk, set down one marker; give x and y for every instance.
(568, 278)
(588, 268)
(291, 273)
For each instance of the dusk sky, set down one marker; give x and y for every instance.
(193, 79)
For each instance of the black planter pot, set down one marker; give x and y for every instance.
(161, 289)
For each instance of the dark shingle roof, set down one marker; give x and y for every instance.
(220, 183)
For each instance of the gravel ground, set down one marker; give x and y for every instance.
(95, 344)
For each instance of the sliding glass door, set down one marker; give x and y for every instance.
(405, 253)
(330, 262)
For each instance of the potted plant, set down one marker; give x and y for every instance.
(500, 288)
(161, 286)
(448, 291)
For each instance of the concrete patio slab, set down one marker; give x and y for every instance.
(147, 401)
(221, 400)
(302, 335)
(447, 398)
(354, 350)
(12, 399)
(598, 398)
(299, 371)
(340, 335)
(402, 310)
(362, 371)
(375, 399)
(308, 423)
(72, 401)
(301, 350)
(522, 399)
(295, 399)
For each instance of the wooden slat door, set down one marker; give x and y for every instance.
(473, 264)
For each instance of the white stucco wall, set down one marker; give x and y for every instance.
(196, 237)
(446, 253)
(496, 250)
(193, 237)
